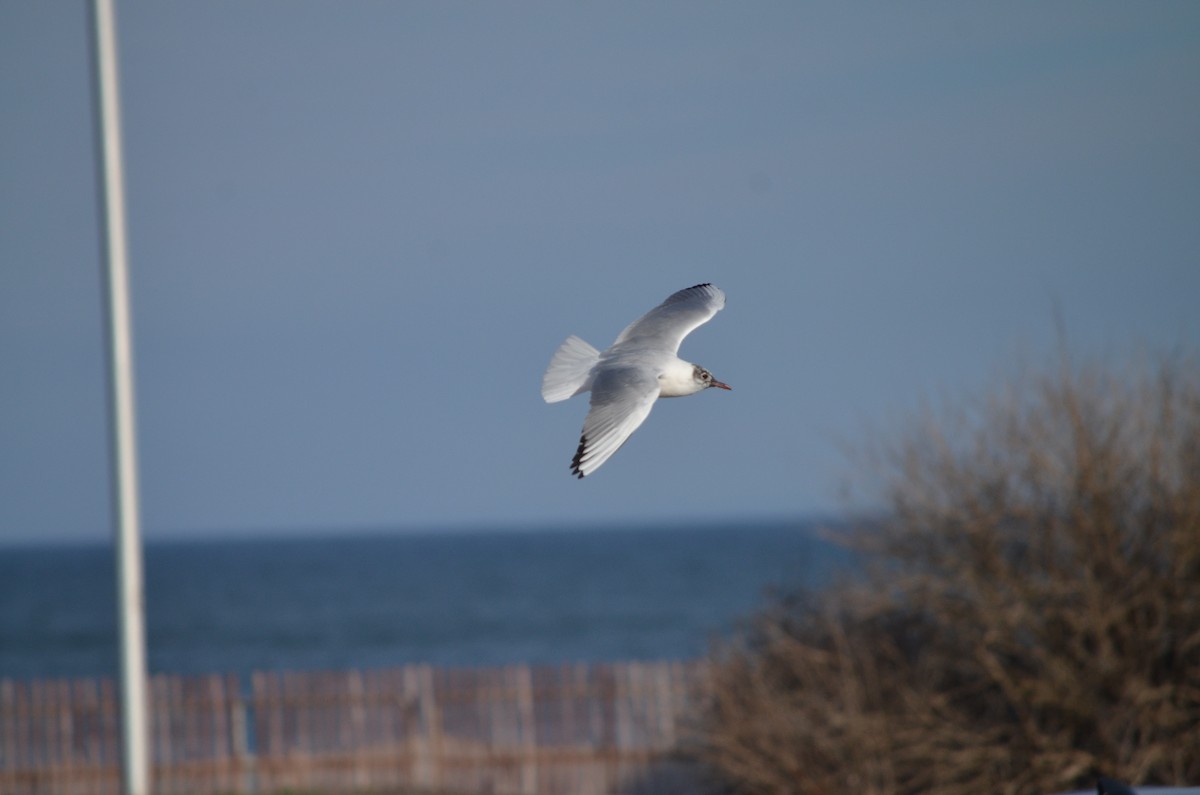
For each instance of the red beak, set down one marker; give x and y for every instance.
(720, 385)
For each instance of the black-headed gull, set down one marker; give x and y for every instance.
(638, 368)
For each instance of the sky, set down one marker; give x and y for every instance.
(358, 231)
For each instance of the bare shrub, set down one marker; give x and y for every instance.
(1030, 617)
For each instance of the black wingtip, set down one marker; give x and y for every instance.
(575, 462)
(705, 288)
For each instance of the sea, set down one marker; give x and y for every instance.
(375, 600)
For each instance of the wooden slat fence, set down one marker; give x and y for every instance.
(565, 730)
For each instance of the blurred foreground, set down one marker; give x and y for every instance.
(571, 730)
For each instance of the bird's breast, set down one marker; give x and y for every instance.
(677, 380)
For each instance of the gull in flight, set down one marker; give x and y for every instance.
(625, 380)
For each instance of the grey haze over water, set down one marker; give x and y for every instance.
(371, 601)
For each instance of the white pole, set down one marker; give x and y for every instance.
(135, 756)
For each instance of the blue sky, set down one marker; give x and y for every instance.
(359, 230)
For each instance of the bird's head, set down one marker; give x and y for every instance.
(704, 379)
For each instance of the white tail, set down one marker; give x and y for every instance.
(568, 372)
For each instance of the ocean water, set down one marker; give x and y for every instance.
(371, 601)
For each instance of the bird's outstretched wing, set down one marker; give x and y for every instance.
(665, 326)
(621, 400)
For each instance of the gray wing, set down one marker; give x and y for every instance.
(621, 400)
(665, 326)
